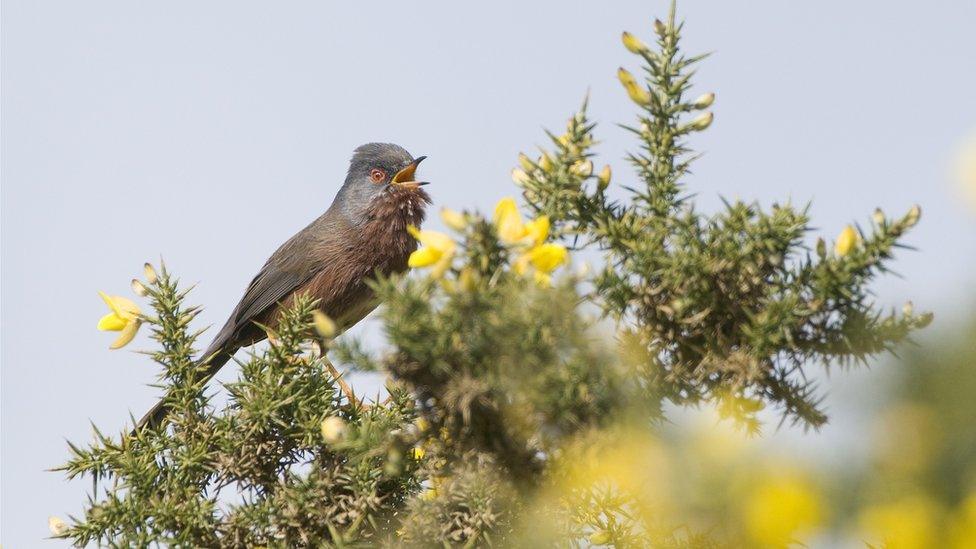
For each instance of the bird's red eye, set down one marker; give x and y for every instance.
(377, 175)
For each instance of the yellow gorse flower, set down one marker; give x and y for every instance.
(543, 258)
(124, 317)
(845, 241)
(508, 221)
(325, 326)
(437, 251)
(513, 230)
(333, 429)
(453, 219)
(633, 44)
(907, 523)
(782, 507)
(638, 94)
(537, 230)
(546, 258)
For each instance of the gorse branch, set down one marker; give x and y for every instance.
(514, 417)
(730, 300)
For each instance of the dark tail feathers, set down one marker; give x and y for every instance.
(157, 414)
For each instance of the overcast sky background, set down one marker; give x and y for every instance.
(209, 132)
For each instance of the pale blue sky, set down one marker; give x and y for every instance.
(209, 132)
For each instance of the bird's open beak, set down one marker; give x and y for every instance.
(405, 177)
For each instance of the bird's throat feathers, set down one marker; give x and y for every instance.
(390, 213)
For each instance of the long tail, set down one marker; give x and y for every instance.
(157, 414)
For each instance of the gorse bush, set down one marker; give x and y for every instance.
(517, 414)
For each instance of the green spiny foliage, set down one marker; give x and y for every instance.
(503, 392)
(258, 472)
(728, 301)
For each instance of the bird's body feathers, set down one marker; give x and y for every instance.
(331, 260)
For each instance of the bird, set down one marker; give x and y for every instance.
(362, 234)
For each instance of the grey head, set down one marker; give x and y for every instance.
(376, 169)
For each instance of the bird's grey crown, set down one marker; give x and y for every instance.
(389, 157)
(359, 190)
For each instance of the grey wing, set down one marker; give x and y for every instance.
(287, 270)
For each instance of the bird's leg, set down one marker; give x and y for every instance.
(346, 389)
(337, 375)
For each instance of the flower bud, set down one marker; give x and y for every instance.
(600, 537)
(149, 273)
(821, 248)
(520, 177)
(924, 320)
(467, 280)
(633, 44)
(702, 122)
(583, 168)
(545, 163)
(704, 101)
(453, 219)
(333, 430)
(56, 526)
(325, 326)
(845, 241)
(659, 27)
(525, 162)
(603, 180)
(911, 218)
(878, 216)
(637, 93)
(908, 308)
(138, 288)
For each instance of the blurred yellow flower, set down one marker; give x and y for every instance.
(123, 318)
(508, 221)
(544, 259)
(325, 326)
(781, 507)
(846, 241)
(419, 453)
(468, 279)
(453, 219)
(962, 524)
(436, 252)
(908, 523)
(537, 230)
(600, 537)
(603, 180)
(638, 94)
(965, 169)
(333, 429)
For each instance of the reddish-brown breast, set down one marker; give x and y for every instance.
(380, 244)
